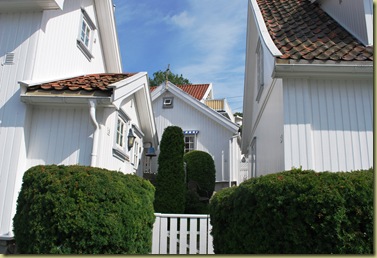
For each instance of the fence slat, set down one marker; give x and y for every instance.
(173, 236)
(156, 235)
(164, 236)
(193, 236)
(183, 236)
(210, 238)
(203, 235)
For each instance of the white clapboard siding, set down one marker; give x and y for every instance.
(182, 234)
(328, 124)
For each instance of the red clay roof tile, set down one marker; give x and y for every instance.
(301, 29)
(89, 83)
(195, 90)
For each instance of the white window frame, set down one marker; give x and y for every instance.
(120, 137)
(86, 34)
(167, 102)
(191, 144)
(260, 70)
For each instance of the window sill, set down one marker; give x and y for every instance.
(119, 154)
(84, 50)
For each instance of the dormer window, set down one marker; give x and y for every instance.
(86, 35)
(167, 102)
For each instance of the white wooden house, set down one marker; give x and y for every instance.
(63, 96)
(308, 93)
(204, 127)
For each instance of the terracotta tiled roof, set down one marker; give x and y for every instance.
(302, 30)
(86, 83)
(195, 90)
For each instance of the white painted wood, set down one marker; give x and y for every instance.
(193, 236)
(203, 231)
(354, 15)
(210, 239)
(173, 236)
(164, 236)
(156, 234)
(183, 236)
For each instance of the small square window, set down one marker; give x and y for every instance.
(167, 102)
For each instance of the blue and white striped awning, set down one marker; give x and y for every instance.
(191, 132)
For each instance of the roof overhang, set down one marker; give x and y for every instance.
(320, 69)
(21, 5)
(108, 35)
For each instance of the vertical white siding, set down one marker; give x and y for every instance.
(354, 15)
(336, 118)
(58, 55)
(18, 34)
(60, 136)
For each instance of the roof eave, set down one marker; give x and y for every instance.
(316, 69)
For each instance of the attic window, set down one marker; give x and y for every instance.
(86, 34)
(167, 102)
(8, 59)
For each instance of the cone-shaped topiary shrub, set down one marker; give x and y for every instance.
(201, 176)
(83, 210)
(296, 212)
(170, 185)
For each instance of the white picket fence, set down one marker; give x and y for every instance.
(182, 234)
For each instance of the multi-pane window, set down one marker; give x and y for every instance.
(86, 34)
(120, 134)
(190, 142)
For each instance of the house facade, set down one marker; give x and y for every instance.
(64, 98)
(204, 128)
(308, 94)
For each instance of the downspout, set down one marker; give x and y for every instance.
(93, 104)
(232, 164)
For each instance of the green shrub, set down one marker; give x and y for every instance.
(83, 210)
(170, 185)
(297, 212)
(201, 174)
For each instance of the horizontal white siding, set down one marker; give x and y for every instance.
(18, 34)
(328, 124)
(212, 138)
(60, 136)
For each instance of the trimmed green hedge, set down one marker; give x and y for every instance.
(201, 173)
(170, 185)
(83, 210)
(296, 212)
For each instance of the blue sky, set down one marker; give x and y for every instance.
(204, 40)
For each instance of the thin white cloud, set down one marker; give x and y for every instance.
(182, 20)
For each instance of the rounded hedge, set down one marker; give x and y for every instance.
(83, 210)
(296, 212)
(200, 170)
(170, 185)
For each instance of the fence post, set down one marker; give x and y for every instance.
(156, 234)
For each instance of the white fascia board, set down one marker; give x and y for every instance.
(108, 35)
(298, 70)
(203, 108)
(63, 100)
(263, 29)
(210, 88)
(30, 5)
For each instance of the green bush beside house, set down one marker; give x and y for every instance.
(83, 210)
(296, 212)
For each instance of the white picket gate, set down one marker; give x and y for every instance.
(182, 234)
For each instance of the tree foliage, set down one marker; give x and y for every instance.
(170, 185)
(160, 76)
